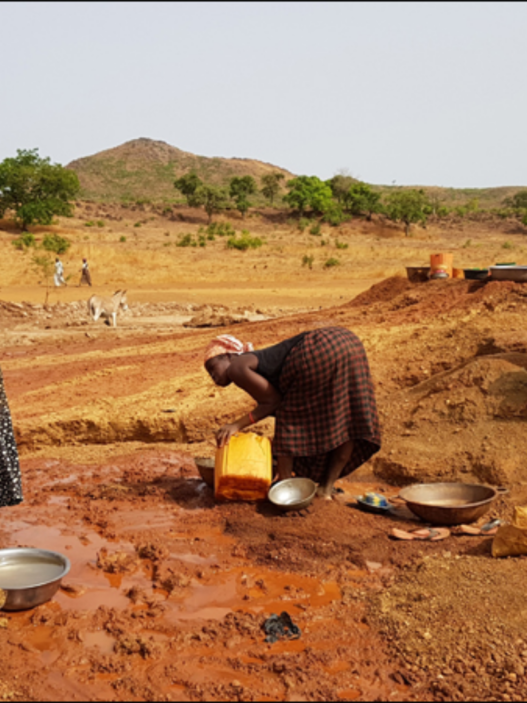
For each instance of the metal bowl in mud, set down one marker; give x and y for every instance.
(206, 470)
(448, 503)
(292, 493)
(29, 577)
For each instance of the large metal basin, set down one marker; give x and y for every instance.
(30, 577)
(509, 273)
(292, 493)
(448, 503)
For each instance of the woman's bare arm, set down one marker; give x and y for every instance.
(242, 372)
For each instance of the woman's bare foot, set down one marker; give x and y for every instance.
(325, 492)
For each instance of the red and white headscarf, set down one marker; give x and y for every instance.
(224, 344)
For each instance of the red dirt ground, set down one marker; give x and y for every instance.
(168, 590)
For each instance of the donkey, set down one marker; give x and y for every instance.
(107, 307)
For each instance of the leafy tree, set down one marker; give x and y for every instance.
(212, 198)
(188, 185)
(35, 189)
(340, 185)
(408, 206)
(308, 192)
(271, 185)
(240, 187)
(360, 199)
(517, 201)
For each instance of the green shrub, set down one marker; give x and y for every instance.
(507, 245)
(222, 229)
(185, 240)
(303, 222)
(100, 223)
(341, 245)
(331, 262)
(52, 242)
(137, 224)
(308, 261)
(122, 238)
(315, 229)
(244, 242)
(25, 240)
(90, 223)
(335, 216)
(167, 211)
(467, 244)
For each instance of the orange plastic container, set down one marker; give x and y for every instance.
(441, 262)
(243, 468)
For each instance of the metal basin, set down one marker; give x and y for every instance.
(29, 577)
(509, 273)
(206, 470)
(292, 493)
(448, 503)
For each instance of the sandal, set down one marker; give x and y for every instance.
(490, 528)
(426, 534)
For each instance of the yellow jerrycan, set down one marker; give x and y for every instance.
(243, 468)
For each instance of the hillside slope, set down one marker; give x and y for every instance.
(147, 168)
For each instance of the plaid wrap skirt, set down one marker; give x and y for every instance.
(327, 399)
(10, 480)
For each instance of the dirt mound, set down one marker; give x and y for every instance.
(398, 298)
(443, 428)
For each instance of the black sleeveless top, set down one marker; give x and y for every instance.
(271, 359)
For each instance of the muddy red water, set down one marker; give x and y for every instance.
(168, 592)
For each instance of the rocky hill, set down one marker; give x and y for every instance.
(147, 168)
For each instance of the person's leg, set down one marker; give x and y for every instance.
(284, 465)
(337, 460)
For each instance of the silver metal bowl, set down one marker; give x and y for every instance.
(448, 503)
(206, 470)
(29, 576)
(292, 493)
(509, 273)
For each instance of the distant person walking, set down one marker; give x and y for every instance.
(85, 276)
(59, 273)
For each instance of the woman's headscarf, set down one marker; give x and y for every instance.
(224, 344)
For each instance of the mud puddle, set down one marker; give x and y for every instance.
(166, 601)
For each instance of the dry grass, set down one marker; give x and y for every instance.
(149, 256)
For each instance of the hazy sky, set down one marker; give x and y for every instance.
(419, 93)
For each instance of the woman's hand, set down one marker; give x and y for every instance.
(225, 433)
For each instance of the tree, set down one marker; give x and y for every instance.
(518, 201)
(45, 266)
(240, 187)
(188, 185)
(340, 185)
(271, 185)
(308, 192)
(35, 189)
(360, 199)
(212, 198)
(408, 206)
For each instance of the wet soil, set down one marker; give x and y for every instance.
(168, 590)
